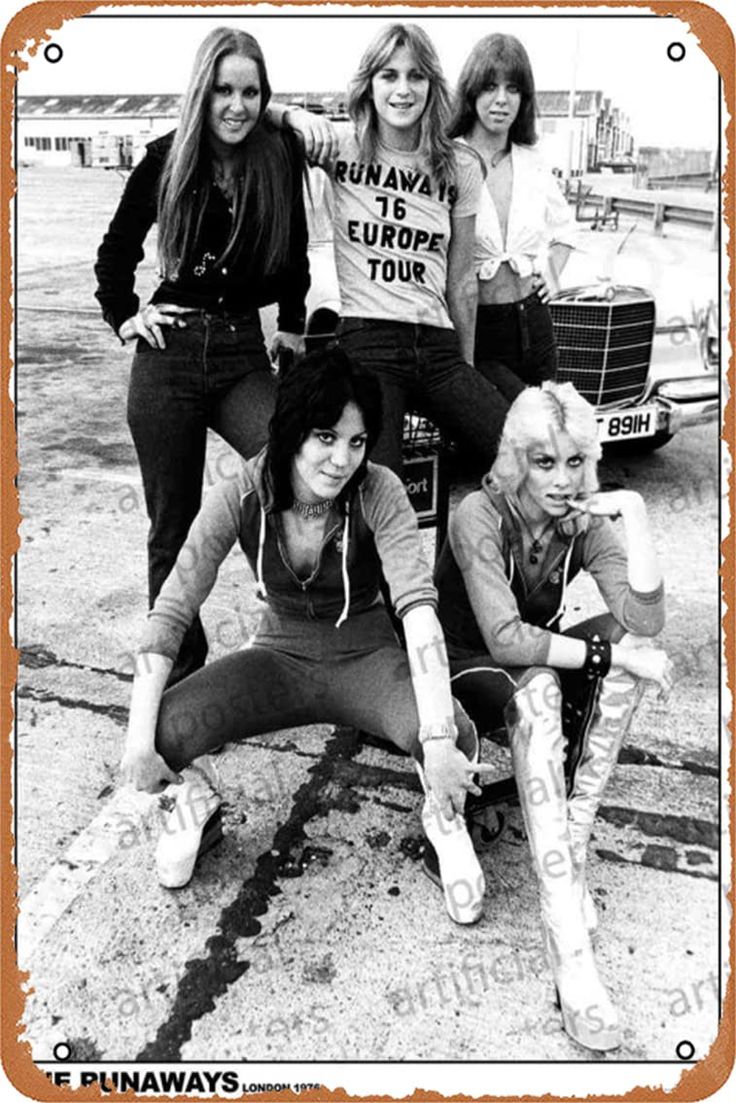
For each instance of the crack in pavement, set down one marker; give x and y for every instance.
(207, 978)
(663, 858)
(683, 829)
(630, 755)
(36, 657)
(117, 713)
(283, 748)
(331, 786)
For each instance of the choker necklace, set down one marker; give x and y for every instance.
(312, 509)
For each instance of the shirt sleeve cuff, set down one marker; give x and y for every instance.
(415, 604)
(154, 646)
(115, 318)
(648, 597)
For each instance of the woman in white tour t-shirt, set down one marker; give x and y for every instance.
(406, 198)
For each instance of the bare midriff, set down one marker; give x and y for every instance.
(506, 286)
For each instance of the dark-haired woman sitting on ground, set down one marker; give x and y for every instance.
(317, 523)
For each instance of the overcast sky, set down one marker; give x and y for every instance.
(669, 102)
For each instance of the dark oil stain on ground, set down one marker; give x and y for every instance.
(320, 972)
(377, 840)
(113, 454)
(36, 657)
(683, 829)
(117, 713)
(636, 756)
(329, 788)
(653, 856)
(30, 355)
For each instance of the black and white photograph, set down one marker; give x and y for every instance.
(371, 719)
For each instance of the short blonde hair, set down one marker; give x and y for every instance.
(536, 417)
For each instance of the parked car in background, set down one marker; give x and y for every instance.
(647, 379)
(648, 359)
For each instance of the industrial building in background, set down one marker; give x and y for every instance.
(112, 131)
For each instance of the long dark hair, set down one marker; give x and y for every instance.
(311, 396)
(264, 172)
(494, 56)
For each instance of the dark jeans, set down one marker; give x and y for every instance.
(212, 374)
(298, 672)
(515, 345)
(484, 689)
(421, 369)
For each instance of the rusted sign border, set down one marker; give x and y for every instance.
(26, 32)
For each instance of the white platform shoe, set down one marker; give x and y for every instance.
(192, 824)
(450, 860)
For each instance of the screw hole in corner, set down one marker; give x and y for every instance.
(53, 53)
(676, 51)
(685, 1050)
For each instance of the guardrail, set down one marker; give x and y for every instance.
(608, 208)
(703, 180)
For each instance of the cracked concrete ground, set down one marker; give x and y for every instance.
(310, 932)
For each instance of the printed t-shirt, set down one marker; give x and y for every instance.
(392, 231)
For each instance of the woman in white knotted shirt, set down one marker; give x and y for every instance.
(523, 216)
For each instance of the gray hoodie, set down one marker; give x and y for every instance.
(489, 605)
(377, 530)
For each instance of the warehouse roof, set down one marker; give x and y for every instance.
(558, 103)
(162, 104)
(167, 106)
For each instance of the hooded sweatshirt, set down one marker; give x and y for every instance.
(488, 604)
(377, 530)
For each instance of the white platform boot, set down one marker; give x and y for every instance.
(192, 823)
(618, 697)
(450, 860)
(537, 746)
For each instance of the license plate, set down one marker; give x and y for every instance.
(627, 424)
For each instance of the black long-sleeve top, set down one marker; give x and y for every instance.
(235, 287)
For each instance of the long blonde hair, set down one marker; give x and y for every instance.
(434, 145)
(264, 169)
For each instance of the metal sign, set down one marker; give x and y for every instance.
(421, 478)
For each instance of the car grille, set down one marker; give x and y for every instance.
(604, 344)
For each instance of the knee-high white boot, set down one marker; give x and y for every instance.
(537, 747)
(618, 697)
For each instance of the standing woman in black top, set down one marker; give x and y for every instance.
(226, 190)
